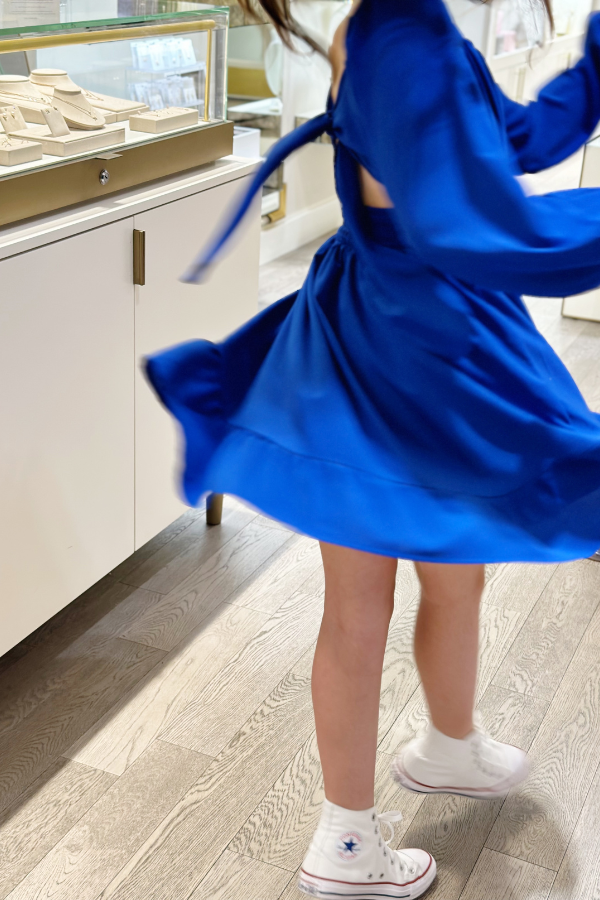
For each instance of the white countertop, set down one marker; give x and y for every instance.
(32, 233)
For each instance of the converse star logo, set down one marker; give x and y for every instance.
(349, 846)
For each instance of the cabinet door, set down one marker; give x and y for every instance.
(168, 312)
(66, 422)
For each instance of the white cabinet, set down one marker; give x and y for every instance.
(66, 422)
(87, 453)
(168, 312)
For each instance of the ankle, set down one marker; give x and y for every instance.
(350, 804)
(440, 744)
(456, 734)
(336, 809)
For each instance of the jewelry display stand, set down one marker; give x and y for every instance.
(77, 110)
(14, 151)
(54, 138)
(17, 90)
(74, 141)
(160, 120)
(114, 109)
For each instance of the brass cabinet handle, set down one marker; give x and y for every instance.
(139, 256)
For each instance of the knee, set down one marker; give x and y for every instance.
(451, 584)
(364, 625)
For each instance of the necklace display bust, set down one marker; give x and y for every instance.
(112, 108)
(16, 90)
(67, 99)
(76, 108)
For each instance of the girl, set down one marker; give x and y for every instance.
(402, 403)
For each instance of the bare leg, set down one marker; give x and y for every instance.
(446, 642)
(346, 679)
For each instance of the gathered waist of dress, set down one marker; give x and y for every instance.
(376, 225)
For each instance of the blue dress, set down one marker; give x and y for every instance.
(402, 402)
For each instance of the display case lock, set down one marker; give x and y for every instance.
(104, 177)
(139, 256)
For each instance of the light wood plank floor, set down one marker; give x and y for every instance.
(156, 737)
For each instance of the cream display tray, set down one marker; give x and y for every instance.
(33, 188)
(75, 142)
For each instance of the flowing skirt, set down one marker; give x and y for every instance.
(392, 421)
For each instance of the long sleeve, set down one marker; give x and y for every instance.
(443, 157)
(564, 115)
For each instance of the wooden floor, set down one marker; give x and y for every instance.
(156, 737)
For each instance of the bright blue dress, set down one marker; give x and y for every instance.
(402, 402)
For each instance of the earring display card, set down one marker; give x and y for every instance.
(56, 122)
(164, 120)
(14, 151)
(11, 119)
(75, 141)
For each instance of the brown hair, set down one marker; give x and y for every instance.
(547, 4)
(279, 14)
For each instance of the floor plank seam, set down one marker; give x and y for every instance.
(468, 878)
(202, 564)
(263, 698)
(518, 633)
(483, 845)
(573, 655)
(115, 875)
(257, 859)
(182, 746)
(581, 810)
(383, 739)
(146, 559)
(520, 858)
(84, 813)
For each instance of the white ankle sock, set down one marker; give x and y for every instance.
(332, 810)
(440, 744)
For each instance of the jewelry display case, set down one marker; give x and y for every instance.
(98, 96)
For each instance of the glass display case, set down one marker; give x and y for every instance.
(141, 83)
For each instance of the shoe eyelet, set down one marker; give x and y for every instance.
(373, 817)
(376, 830)
(382, 874)
(370, 875)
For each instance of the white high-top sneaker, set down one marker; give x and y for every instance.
(349, 858)
(476, 766)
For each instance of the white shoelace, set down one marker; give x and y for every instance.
(406, 863)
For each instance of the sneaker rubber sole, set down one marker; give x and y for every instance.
(400, 775)
(329, 889)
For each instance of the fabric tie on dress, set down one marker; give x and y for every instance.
(276, 155)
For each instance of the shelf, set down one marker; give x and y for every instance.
(272, 106)
(165, 73)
